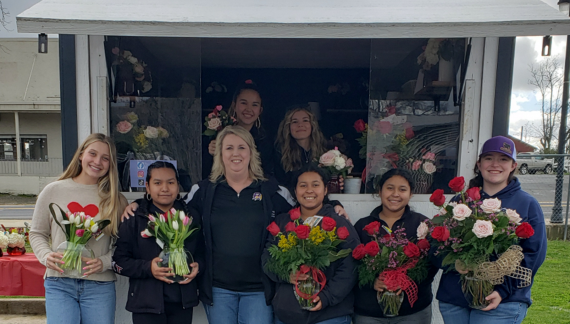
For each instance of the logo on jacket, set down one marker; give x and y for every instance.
(256, 196)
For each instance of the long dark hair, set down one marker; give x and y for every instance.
(477, 181)
(380, 181)
(246, 85)
(161, 165)
(310, 167)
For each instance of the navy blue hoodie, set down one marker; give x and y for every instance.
(534, 249)
(337, 297)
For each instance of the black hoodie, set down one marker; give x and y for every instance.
(366, 303)
(337, 297)
(133, 256)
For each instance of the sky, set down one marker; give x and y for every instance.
(525, 101)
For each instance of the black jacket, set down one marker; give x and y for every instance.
(202, 197)
(133, 256)
(337, 297)
(366, 303)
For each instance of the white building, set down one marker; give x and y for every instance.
(30, 128)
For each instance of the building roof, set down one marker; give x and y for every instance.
(521, 146)
(295, 18)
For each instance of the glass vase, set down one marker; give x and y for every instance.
(309, 288)
(75, 257)
(390, 302)
(15, 251)
(475, 290)
(333, 186)
(178, 259)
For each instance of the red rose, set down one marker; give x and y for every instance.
(302, 231)
(295, 213)
(437, 197)
(360, 126)
(457, 184)
(359, 252)
(391, 110)
(328, 224)
(524, 230)
(440, 233)
(342, 233)
(372, 248)
(423, 245)
(273, 229)
(411, 250)
(473, 193)
(409, 133)
(290, 227)
(372, 228)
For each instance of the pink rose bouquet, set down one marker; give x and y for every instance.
(478, 238)
(336, 163)
(217, 120)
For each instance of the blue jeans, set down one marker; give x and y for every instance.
(232, 307)
(73, 301)
(505, 313)
(337, 320)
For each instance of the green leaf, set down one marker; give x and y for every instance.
(438, 220)
(53, 214)
(209, 132)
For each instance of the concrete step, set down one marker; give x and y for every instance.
(22, 306)
(22, 319)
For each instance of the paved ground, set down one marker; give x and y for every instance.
(21, 319)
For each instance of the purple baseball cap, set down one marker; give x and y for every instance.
(500, 144)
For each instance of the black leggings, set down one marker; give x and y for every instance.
(174, 314)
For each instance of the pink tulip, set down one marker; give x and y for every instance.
(162, 218)
(219, 107)
(151, 218)
(172, 211)
(186, 221)
(80, 232)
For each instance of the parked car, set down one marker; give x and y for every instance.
(529, 164)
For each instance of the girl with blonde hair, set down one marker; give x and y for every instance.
(90, 179)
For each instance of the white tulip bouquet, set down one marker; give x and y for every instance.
(171, 230)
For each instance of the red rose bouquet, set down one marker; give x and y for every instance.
(470, 232)
(304, 249)
(396, 261)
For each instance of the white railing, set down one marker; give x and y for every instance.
(51, 168)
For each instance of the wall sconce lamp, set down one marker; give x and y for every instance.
(564, 6)
(42, 43)
(546, 45)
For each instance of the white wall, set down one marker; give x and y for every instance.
(29, 185)
(17, 57)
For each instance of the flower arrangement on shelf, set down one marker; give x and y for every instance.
(336, 163)
(396, 261)
(470, 232)
(424, 165)
(217, 120)
(16, 239)
(79, 227)
(304, 249)
(171, 230)
(144, 139)
(134, 74)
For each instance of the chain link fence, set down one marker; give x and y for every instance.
(546, 177)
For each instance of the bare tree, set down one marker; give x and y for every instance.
(547, 77)
(4, 13)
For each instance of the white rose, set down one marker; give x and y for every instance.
(429, 167)
(126, 54)
(146, 86)
(339, 163)
(327, 159)
(3, 241)
(16, 240)
(132, 59)
(491, 205)
(483, 228)
(461, 211)
(214, 123)
(151, 132)
(514, 216)
(422, 231)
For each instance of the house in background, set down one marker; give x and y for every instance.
(30, 119)
(522, 146)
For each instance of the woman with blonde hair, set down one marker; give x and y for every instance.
(300, 142)
(90, 180)
(236, 203)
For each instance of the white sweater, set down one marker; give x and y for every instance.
(44, 228)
